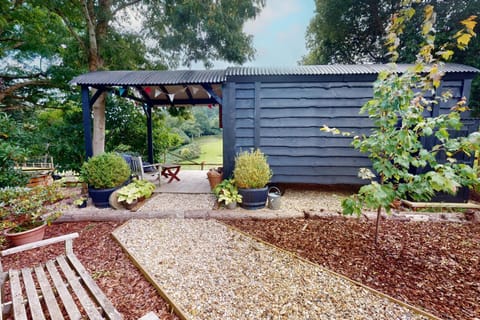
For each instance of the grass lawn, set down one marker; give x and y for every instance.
(212, 152)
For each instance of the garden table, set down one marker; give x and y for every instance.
(171, 171)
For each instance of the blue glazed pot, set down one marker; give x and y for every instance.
(100, 196)
(253, 199)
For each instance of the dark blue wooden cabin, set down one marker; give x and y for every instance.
(281, 112)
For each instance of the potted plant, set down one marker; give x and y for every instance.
(81, 202)
(137, 190)
(215, 176)
(25, 212)
(252, 173)
(227, 192)
(104, 174)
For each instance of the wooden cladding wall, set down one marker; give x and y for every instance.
(283, 119)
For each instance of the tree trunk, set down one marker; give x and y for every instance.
(98, 143)
(97, 31)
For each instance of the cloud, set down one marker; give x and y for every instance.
(274, 11)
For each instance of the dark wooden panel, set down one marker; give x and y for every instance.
(334, 141)
(245, 133)
(244, 103)
(317, 161)
(244, 94)
(320, 179)
(316, 171)
(283, 132)
(245, 85)
(245, 113)
(244, 143)
(244, 123)
(455, 90)
(312, 151)
(326, 112)
(314, 102)
(351, 122)
(229, 132)
(299, 92)
(316, 85)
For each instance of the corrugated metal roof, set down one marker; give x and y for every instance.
(334, 69)
(172, 77)
(133, 78)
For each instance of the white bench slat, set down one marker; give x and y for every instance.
(38, 244)
(48, 295)
(32, 296)
(67, 299)
(17, 297)
(97, 293)
(3, 279)
(82, 295)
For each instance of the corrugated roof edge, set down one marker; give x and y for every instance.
(173, 77)
(152, 77)
(333, 69)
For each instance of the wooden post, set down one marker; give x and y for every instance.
(87, 125)
(148, 113)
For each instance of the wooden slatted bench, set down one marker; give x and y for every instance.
(58, 288)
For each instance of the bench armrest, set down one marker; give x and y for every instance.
(38, 244)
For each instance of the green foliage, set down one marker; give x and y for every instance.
(25, 208)
(352, 31)
(104, 171)
(227, 192)
(403, 166)
(135, 190)
(221, 36)
(252, 170)
(189, 152)
(126, 127)
(10, 153)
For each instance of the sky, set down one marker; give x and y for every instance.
(278, 34)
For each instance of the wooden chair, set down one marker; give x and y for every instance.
(138, 170)
(59, 287)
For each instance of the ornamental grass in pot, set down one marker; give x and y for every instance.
(252, 173)
(25, 212)
(104, 173)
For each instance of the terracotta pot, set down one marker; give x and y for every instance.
(214, 177)
(39, 181)
(32, 235)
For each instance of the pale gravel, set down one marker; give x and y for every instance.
(176, 201)
(213, 272)
(311, 201)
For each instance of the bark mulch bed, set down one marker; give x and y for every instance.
(427, 264)
(109, 266)
(432, 265)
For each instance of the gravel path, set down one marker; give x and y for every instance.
(213, 272)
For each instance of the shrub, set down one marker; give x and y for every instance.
(104, 171)
(190, 152)
(251, 170)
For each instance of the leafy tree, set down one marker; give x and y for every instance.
(395, 144)
(177, 31)
(10, 153)
(29, 49)
(351, 31)
(126, 127)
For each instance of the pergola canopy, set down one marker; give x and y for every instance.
(179, 87)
